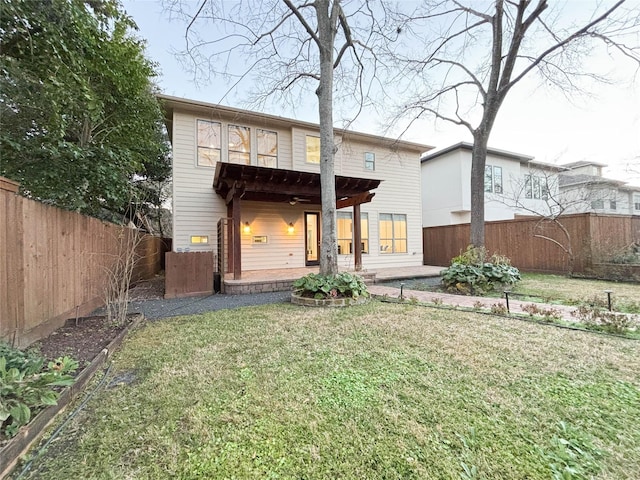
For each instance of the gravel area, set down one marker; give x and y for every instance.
(163, 308)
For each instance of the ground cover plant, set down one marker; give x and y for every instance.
(340, 285)
(28, 383)
(374, 391)
(475, 272)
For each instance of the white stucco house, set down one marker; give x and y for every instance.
(515, 184)
(246, 187)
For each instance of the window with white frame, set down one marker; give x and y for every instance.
(313, 149)
(208, 138)
(535, 187)
(613, 205)
(597, 204)
(636, 202)
(492, 179)
(267, 148)
(369, 161)
(393, 233)
(239, 144)
(345, 232)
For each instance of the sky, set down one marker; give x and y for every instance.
(603, 126)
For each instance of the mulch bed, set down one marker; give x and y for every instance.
(86, 339)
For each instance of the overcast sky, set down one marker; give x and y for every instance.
(603, 127)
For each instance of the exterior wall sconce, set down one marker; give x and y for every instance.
(290, 228)
(246, 228)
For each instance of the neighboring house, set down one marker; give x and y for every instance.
(515, 184)
(246, 186)
(586, 190)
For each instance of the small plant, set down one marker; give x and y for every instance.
(499, 309)
(596, 318)
(478, 305)
(437, 301)
(413, 299)
(475, 272)
(27, 385)
(547, 314)
(342, 285)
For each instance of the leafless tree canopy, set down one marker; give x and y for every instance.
(272, 49)
(458, 61)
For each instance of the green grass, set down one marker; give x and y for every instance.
(574, 291)
(376, 391)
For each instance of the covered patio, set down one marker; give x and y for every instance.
(236, 183)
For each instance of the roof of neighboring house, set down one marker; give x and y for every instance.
(567, 180)
(493, 151)
(169, 103)
(583, 163)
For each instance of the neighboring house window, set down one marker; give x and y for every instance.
(208, 143)
(345, 233)
(597, 204)
(267, 148)
(636, 202)
(492, 179)
(369, 161)
(535, 187)
(613, 205)
(313, 149)
(393, 233)
(239, 144)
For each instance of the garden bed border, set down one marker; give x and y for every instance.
(28, 435)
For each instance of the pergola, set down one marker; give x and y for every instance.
(235, 182)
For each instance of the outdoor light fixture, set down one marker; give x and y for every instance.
(246, 228)
(290, 228)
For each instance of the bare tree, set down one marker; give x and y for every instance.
(480, 51)
(550, 196)
(288, 48)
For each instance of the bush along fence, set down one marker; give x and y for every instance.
(55, 264)
(593, 242)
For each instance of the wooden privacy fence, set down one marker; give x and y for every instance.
(594, 239)
(54, 264)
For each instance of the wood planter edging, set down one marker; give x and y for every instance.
(33, 431)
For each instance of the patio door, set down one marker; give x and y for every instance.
(312, 238)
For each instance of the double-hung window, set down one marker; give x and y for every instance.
(393, 233)
(239, 144)
(208, 143)
(369, 161)
(535, 187)
(267, 148)
(636, 202)
(345, 232)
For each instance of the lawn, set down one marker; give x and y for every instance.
(376, 391)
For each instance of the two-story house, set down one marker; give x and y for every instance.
(515, 184)
(246, 186)
(586, 190)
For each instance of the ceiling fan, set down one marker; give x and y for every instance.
(295, 200)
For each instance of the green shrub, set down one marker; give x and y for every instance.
(475, 272)
(342, 285)
(27, 385)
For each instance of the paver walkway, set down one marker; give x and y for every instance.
(515, 306)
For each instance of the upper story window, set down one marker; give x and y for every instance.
(208, 143)
(613, 204)
(597, 204)
(636, 201)
(239, 144)
(313, 149)
(535, 187)
(267, 148)
(369, 161)
(393, 233)
(492, 179)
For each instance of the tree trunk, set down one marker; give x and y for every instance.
(478, 162)
(328, 245)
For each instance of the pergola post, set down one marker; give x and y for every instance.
(236, 234)
(357, 238)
